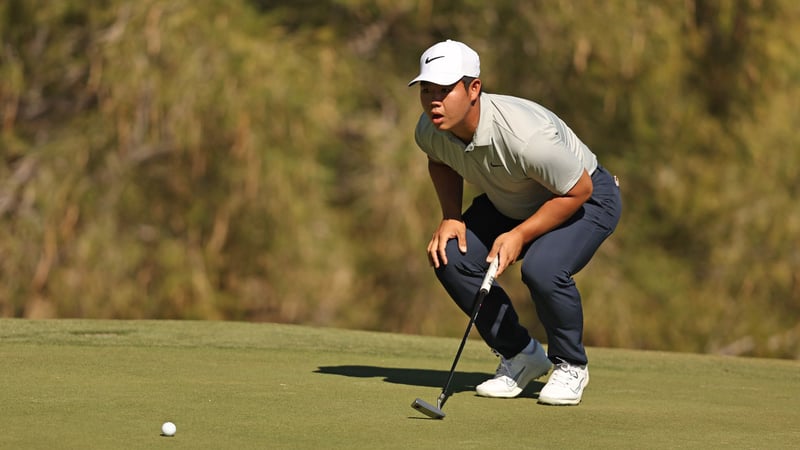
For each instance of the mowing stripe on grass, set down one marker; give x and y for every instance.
(111, 384)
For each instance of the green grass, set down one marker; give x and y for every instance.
(81, 384)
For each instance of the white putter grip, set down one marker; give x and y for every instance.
(490, 274)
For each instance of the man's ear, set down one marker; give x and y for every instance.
(474, 89)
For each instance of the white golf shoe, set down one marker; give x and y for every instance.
(566, 385)
(515, 373)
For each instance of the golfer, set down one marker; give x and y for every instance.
(545, 201)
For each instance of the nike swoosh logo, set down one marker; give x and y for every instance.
(429, 59)
(516, 377)
(577, 390)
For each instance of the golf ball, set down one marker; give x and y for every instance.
(168, 429)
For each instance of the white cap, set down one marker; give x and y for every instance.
(447, 62)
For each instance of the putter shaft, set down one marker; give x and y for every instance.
(427, 408)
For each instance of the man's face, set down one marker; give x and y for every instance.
(448, 106)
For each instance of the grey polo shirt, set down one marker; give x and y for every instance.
(521, 154)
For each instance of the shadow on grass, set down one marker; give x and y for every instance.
(462, 381)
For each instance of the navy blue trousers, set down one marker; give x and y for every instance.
(548, 266)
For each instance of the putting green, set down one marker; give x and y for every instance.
(111, 384)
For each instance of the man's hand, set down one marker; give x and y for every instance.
(549, 216)
(508, 246)
(448, 229)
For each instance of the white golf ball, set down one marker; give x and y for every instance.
(168, 429)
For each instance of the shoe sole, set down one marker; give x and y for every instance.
(512, 393)
(559, 401)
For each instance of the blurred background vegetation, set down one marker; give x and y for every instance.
(254, 160)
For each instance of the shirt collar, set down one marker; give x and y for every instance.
(483, 134)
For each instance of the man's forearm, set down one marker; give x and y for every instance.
(556, 211)
(449, 187)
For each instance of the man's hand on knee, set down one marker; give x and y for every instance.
(448, 229)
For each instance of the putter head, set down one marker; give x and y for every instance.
(427, 409)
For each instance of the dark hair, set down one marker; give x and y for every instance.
(467, 81)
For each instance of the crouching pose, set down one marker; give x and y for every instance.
(546, 201)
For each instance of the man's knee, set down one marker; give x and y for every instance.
(470, 264)
(543, 277)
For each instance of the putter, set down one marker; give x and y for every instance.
(435, 412)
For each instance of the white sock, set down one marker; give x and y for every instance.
(529, 349)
